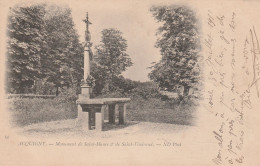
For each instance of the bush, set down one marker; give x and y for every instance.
(115, 94)
(146, 90)
(68, 95)
(164, 97)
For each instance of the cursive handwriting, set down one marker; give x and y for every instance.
(226, 99)
(255, 49)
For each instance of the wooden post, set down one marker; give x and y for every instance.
(100, 118)
(111, 114)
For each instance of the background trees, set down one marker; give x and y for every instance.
(26, 47)
(44, 49)
(43, 46)
(110, 60)
(179, 46)
(63, 64)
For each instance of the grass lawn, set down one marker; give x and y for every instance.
(156, 110)
(26, 111)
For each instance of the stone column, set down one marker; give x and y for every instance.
(122, 114)
(83, 118)
(85, 89)
(111, 114)
(100, 118)
(86, 63)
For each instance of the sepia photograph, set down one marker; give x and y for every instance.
(59, 82)
(130, 83)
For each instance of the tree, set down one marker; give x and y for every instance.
(111, 58)
(179, 46)
(26, 46)
(43, 46)
(63, 64)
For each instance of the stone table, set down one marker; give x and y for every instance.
(91, 111)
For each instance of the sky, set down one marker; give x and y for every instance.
(136, 23)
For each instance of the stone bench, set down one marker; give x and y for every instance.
(91, 111)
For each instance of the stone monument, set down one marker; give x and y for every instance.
(91, 111)
(85, 88)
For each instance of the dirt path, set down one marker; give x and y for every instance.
(70, 129)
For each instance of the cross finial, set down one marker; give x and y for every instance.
(88, 44)
(87, 21)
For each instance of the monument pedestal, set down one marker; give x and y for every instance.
(85, 92)
(84, 116)
(91, 112)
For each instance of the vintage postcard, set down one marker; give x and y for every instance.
(129, 82)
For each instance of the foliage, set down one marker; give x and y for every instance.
(111, 59)
(64, 63)
(68, 94)
(179, 46)
(98, 74)
(126, 85)
(26, 46)
(123, 87)
(43, 87)
(89, 81)
(146, 90)
(120, 87)
(43, 46)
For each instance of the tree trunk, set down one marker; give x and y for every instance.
(57, 90)
(107, 84)
(20, 90)
(106, 87)
(186, 90)
(34, 87)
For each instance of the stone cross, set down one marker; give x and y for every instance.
(85, 89)
(87, 34)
